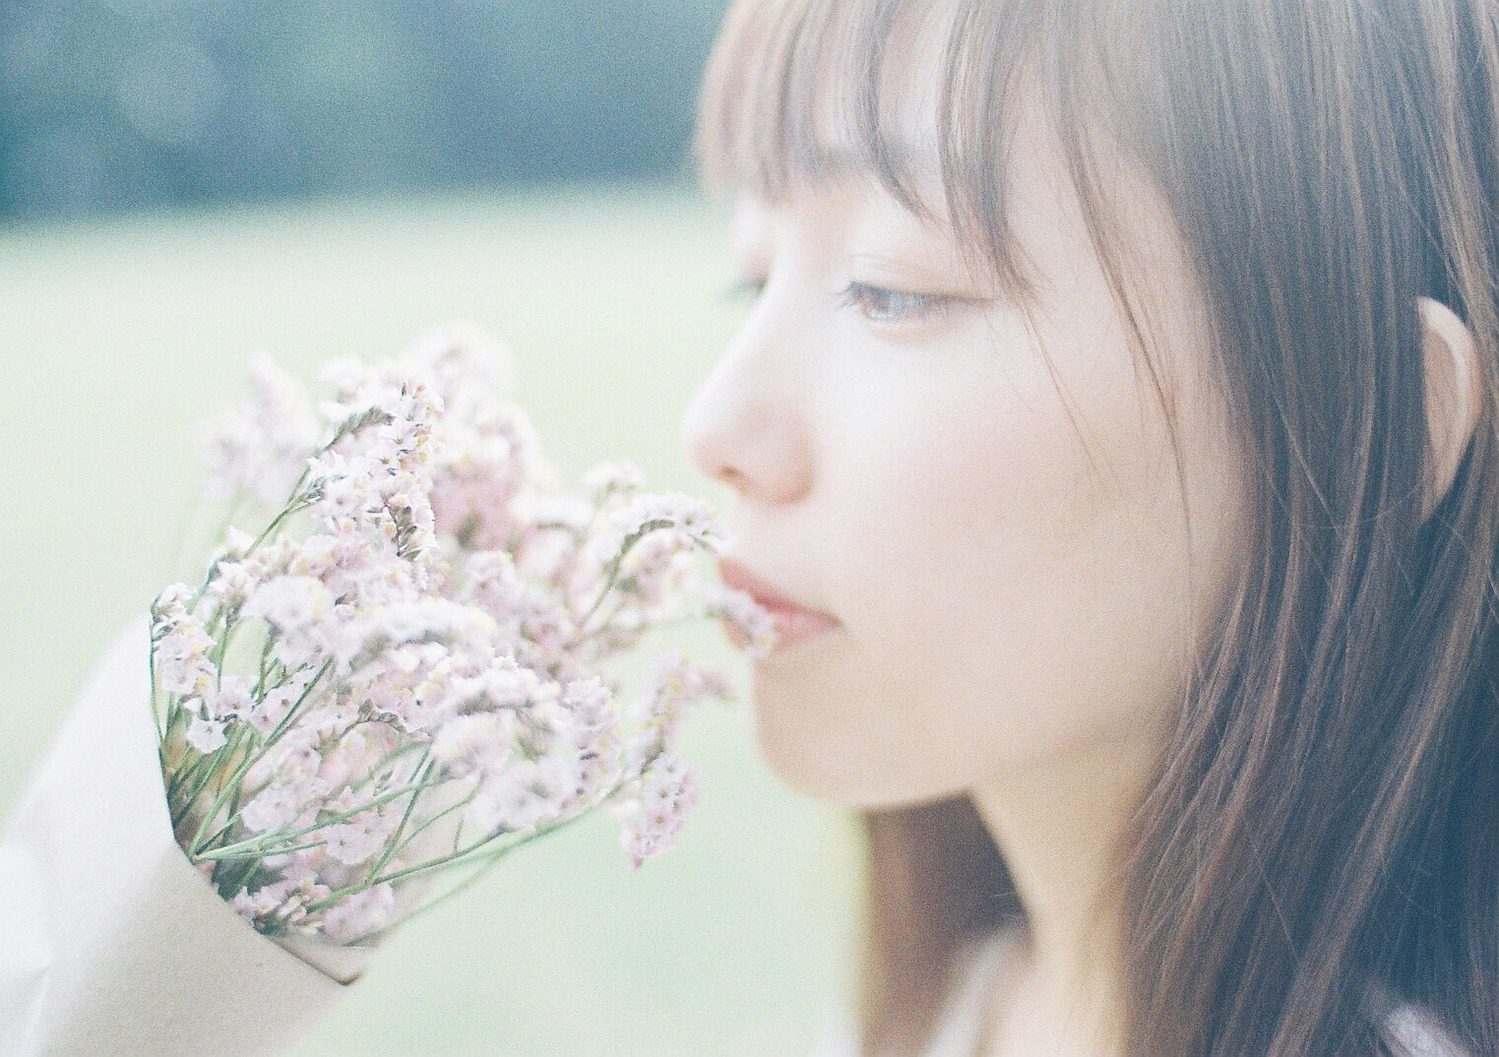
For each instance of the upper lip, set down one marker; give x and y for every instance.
(738, 576)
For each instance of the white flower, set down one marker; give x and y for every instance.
(231, 699)
(254, 906)
(514, 800)
(260, 449)
(753, 623)
(273, 806)
(230, 584)
(190, 676)
(435, 586)
(170, 606)
(272, 708)
(607, 479)
(359, 914)
(290, 603)
(668, 791)
(687, 518)
(482, 742)
(206, 735)
(357, 840)
(355, 755)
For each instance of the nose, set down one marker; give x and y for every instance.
(745, 425)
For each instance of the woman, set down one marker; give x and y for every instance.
(1114, 424)
(1119, 385)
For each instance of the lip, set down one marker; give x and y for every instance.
(794, 623)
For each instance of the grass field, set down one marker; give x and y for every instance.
(118, 337)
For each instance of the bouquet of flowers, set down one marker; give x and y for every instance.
(406, 665)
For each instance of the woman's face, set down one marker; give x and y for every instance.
(1002, 539)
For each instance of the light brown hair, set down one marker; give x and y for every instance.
(1325, 823)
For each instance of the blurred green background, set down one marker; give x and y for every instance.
(120, 336)
(183, 181)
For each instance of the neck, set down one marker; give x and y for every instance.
(1059, 825)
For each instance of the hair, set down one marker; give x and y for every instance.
(1325, 817)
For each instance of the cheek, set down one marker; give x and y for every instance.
(1007, 593)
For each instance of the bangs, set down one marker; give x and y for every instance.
(803, 91)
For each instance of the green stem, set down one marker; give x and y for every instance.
(448, 862)
(424, 765)
(619, 559)
(219, 856)
(419, 830)
(232, 785)
(275, 835)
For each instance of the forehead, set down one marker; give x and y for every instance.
(953, 107)
(1031, 202)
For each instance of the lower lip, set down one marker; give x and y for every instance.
(792, 626)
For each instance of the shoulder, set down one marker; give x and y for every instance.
(1411, 1030)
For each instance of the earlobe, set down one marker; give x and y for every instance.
(1454, 393)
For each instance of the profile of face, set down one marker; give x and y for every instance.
(992, 512)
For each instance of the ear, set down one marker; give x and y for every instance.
(1454, 390)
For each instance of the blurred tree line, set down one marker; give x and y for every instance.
(112, 105)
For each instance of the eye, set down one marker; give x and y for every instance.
(879, 305)
(745, 289)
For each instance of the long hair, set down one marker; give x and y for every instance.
(1325, 821)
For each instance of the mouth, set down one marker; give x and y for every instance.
(794, 623)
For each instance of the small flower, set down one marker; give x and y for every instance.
(289, 603)
(685, 517)
(274, 806)
(170, 607)
(668, 791)
(357, 915)
(755, 627)
(427, 626)
(515, 800)
(230, 584)
(481, 742)
(259, 449)
(609, 479)
(230, 700)
(357, 840)
(206, 735)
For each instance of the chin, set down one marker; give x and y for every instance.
(824, 768)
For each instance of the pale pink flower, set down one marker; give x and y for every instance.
(514, 800)
(255, 906)
(289, 603)
(437, 587)
(680, 515)
(359, 914)
(231, 699)
(230, 584)
(259, 449)
(463, 359)
(481, 742)
(171, 604)
(357, 840)
(268, 713)
(355, 754)
(273, 806)
(190, 676)
(753, 620)
(608, 480)
(206, 735)
(667, 794)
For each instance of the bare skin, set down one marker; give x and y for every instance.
(995, 519)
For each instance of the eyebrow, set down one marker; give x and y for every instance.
(843, 159)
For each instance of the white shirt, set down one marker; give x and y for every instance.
(1410, 1030)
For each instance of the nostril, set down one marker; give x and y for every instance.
(733, 478)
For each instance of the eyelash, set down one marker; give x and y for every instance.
(899, 306)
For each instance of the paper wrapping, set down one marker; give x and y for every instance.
(110, 942)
